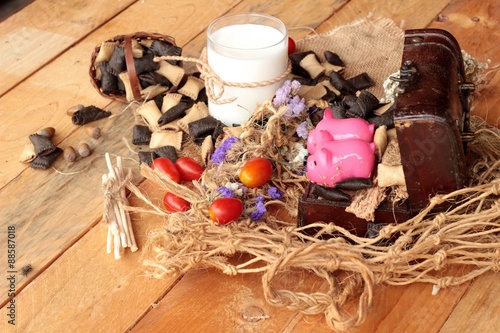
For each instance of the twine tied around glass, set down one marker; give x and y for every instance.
(214, 85)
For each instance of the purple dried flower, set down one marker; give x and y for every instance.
(297, 105)
(260, 210)
(226, 192)
(302, 130)
(274, 193)
(282, 94)
(295, 86)
(219, 154)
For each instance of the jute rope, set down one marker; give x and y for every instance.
(214, 84)
(420, 249)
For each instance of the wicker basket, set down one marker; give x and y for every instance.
(126, 42)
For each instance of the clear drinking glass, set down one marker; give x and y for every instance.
(246, 48)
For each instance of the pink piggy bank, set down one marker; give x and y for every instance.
(335, 161)
(330, 128)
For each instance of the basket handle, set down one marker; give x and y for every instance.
(129, 60)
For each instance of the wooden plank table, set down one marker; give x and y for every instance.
(54, 216)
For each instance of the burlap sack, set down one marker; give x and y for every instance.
(371, 45)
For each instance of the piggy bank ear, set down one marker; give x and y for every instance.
(311, 141)
(327, 114)
(324, 157)
(324, 136)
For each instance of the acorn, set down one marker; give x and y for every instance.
(93, 131)
(47, 132)
(83, 149)
(69, 154)
(73, 109)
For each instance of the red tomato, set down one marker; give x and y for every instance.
(225, 210)
(168, 167)
(291, 45)
(256, 172)
(174, 203)
(188, 168)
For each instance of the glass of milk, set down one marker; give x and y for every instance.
(246, 48)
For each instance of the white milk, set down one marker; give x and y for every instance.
(246, 53)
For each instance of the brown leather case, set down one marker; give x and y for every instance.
(432, 126)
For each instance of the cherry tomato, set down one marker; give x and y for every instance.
(173, 203)
(256, 172)
(188, 168)
(291, 45)
(225, 210)
(167, 167)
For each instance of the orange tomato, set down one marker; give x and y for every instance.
(256, 172)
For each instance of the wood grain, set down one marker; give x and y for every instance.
(475, 24)
(87, 290)
(43, 30)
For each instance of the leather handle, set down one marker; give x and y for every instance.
(129, 60)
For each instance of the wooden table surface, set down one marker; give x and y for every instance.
(75, 286)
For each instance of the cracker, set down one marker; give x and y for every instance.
(192, 87)
(105, 52)
(129, 93)
(153, 91)
(170, 100)
(28, 154)
(166, 138)
(311, 64)
(150, 113)
(207, 148)
(172, 72)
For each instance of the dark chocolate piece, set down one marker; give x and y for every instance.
(202, 96)
(145, 63)
(167, 151)
(141, 135)
(158, 101)
(387, 119)
(117, 63)
(89, 114)
(121, 86)
(146, 157)
(341, 84)
(163, 48)
(354, 184)
(44, 162)
(219, 129)
(296, 58)
(109, 82)
(365, 103)
(316, 117)
(333, 58)
(330, 193)
(330, 96)
(175, 112)
(338, 111)
(361, 81)
(348, 101)
(373, 229)
(153, 78)
(203, 127)
(43, 145)
(305, 80)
